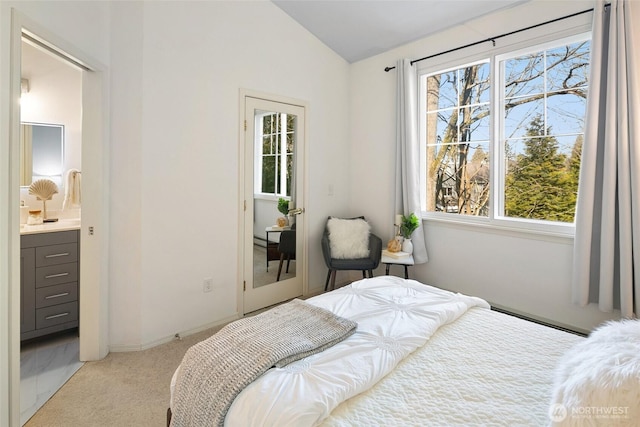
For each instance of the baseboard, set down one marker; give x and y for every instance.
(540, 320)
(313, 293)
(164, 340)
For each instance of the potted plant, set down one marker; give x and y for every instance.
(283, 208)
(408, 225)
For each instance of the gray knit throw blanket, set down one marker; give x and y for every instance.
(214, 371)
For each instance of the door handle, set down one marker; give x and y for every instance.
(296, 211)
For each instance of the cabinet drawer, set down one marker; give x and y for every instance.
(56, 254)
(56, 314)
(56, 274)
(57, 294)
(47, 239)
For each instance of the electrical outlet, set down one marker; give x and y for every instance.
(207, 284)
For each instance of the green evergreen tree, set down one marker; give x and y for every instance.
(540, 184)
(574, 161)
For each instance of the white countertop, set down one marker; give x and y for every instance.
(49, 227)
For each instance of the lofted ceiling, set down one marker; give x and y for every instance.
(358, 29)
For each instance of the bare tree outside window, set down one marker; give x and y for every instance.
(458, 140)
(543, 99)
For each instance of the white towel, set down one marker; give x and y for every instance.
(72, 189)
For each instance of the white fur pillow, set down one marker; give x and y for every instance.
(597, 382)
(348, 238)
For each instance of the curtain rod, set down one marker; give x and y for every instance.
(493, 39)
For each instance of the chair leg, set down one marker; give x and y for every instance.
(370, 273)
(333, 279)
(326, 283)
(288, 261)
(364, 274)
(280, 267)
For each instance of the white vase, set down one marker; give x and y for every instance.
(407, 246)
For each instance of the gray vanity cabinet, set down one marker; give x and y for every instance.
(27, 290)
(49, 283)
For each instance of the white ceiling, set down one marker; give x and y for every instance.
(358, 29)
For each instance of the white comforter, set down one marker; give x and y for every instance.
(395, 316)
(484, 369)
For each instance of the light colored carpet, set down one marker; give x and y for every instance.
(123, 389)
(129, 389)
(263, 277)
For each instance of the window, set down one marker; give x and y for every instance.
(457, 117)
(512, 151)
(275, 156)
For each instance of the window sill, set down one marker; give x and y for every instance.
(272, 197)
(539, 230)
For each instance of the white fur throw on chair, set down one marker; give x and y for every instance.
(348, 238)
(597, 382)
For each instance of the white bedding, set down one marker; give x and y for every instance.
(394, 316)
(485, 368)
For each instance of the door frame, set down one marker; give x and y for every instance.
(94, 248)
(242, 182)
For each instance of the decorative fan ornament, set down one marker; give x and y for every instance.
(43, 189)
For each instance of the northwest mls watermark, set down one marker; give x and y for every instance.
(558, 412)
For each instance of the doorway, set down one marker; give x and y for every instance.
(50, 148)
(273, 225)
(94, 230)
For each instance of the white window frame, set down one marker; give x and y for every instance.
(282, 157)
(496, 219)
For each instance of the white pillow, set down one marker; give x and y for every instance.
(348, 238)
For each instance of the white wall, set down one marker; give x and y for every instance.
(125, 203)
(522, 272)
(175, 148)
(265, 214)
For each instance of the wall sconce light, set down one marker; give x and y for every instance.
(24, 86)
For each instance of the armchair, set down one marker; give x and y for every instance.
(349, 246)
(287, 247)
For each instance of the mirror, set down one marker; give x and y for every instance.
(274, 180)
(41, 152)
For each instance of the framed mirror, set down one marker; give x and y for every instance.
(274, 179)
(41, 152)
(274, 259)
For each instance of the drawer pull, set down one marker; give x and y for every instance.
(51, 276)
(57, 255)
(64, 294)
(56, 315)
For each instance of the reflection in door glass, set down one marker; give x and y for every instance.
(274, 184)
(275, 164)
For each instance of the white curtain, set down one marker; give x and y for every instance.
(408, 153)
(606, 265)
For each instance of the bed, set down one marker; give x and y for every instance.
(420, 356)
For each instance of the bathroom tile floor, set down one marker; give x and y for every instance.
(45, 365)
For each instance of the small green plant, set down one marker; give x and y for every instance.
(408, 225)
(283, 206)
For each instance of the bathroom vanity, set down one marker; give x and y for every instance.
(49, 278)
